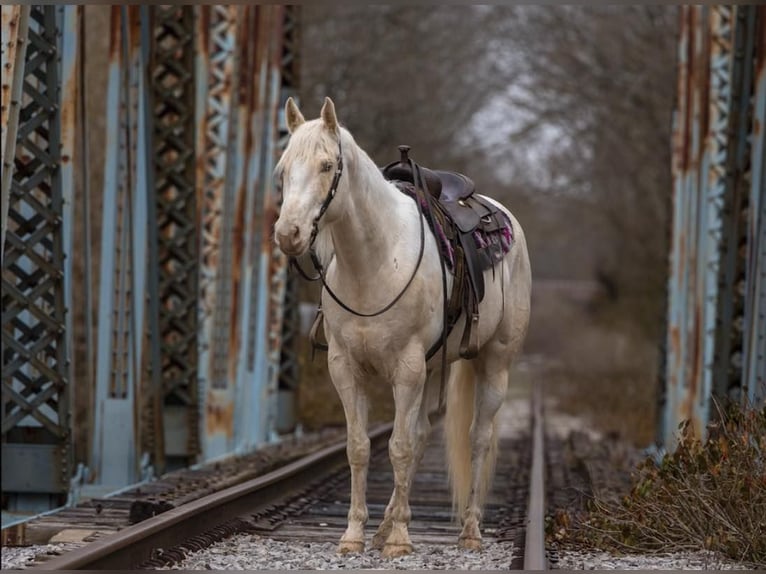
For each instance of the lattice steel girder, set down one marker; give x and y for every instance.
(277, 262)
(727, 366)
(216, 92)
(754, 367)
(36, 360)
(699, 170)
(173, 91)
(15, 23)
(288, 361)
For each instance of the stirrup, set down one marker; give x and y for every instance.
(314, 334)
(469, 344)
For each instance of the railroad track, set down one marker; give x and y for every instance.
(307, 500)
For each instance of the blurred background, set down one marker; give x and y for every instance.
(562, 113)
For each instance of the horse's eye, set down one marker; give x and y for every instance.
(326, 166)
(278, 180)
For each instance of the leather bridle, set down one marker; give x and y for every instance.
(321, 273)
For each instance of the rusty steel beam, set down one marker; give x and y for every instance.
(716, 324)
(274, 259)
(36, 386)
(15, 23)
(699, 173)
(124, 247)
(216, 90)
(754, 343)
(728, 361)
(248, 386)
(284, 28)
(685, 148)
(289, 370)
(256, 400)
(173, 92)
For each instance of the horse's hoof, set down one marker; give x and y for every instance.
(351, 547)
(379, 541)
(396, 550)
(469, 543)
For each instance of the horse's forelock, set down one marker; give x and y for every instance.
(309, 141)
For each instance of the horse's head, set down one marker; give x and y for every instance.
(309, 174)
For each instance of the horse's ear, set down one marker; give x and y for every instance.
(293, 115)
(328, 115)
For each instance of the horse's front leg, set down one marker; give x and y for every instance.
(409, 383)
(354, 398)
(421, 439)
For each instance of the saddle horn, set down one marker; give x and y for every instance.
(402, 171)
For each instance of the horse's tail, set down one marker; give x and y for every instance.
(461, 389)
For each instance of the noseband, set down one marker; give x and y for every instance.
(420, 184)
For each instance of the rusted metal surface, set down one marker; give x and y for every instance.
(70, 19)
(172, 72)
(15, 23)
(123, 270)
(36, 385)
(288, 361)
(190, 290)
(277, 260)
(713, 131)
(215, 78)
(754, 343)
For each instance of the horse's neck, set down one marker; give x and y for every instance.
(374, 220)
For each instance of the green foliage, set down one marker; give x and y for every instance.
(705, 495)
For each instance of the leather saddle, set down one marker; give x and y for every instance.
(442, 185)
(466, 212)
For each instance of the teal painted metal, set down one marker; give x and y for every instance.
(716, 329)
(754, 343)
(215, 78)
(122, 301)
(212, 77)
(36, 382)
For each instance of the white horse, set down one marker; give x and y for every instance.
(366, 234)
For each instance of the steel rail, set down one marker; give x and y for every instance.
(132, 546)
(534, 544)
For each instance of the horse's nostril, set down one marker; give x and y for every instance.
(296, 232)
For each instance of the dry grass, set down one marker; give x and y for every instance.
(709, 495)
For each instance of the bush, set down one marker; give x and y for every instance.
(705, 495)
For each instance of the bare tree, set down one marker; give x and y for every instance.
(564, 112)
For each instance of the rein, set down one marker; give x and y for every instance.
(321, 273)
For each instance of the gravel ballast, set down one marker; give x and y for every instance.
(252, 552)
(18, 557)
(594, 560)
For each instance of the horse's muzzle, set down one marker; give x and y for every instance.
(290, 239)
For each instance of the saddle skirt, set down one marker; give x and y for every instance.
(472, 227)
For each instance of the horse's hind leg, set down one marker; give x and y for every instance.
(354, 398)
(491, 368)
(421, 438)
